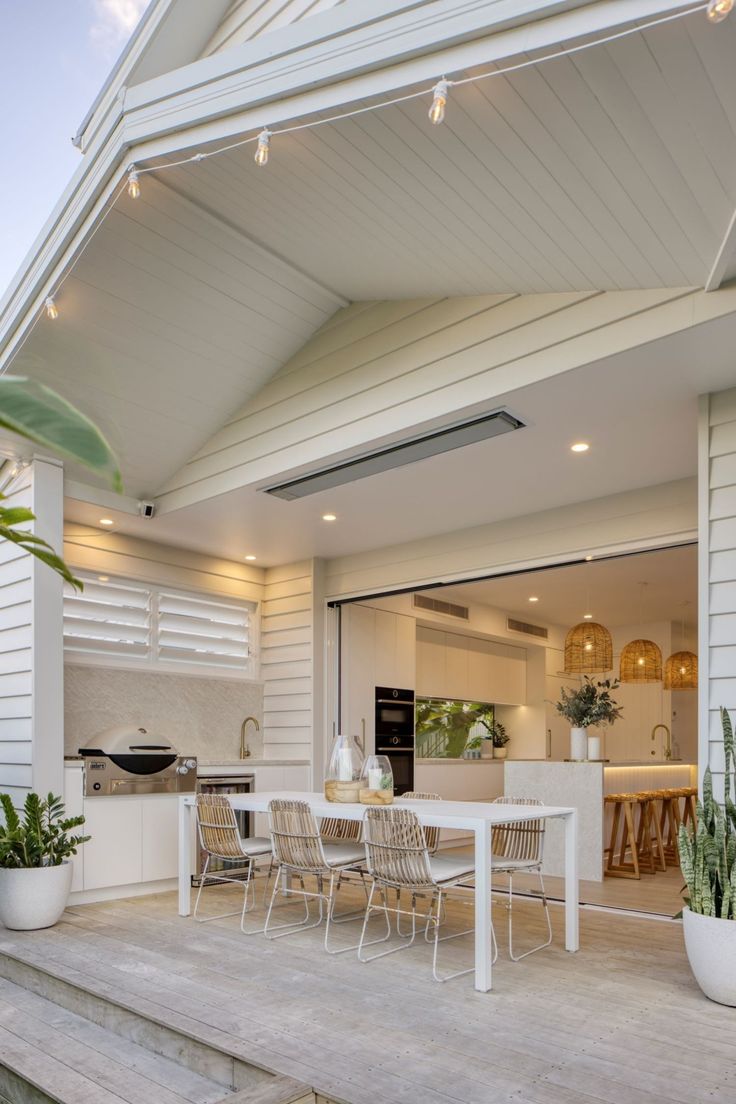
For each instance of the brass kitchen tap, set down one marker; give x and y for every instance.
(244, 749)
(668, 742)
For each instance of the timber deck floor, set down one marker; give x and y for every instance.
(621, 1020)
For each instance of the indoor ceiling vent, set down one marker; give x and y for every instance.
(396, 456)
(436, 606)
(524, 627)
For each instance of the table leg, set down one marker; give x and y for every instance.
(572, 893)
(483, 942)
(185, 847)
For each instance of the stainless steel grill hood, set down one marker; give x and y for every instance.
(405, 452)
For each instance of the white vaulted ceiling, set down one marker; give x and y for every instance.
(168, 323)
(614, 168)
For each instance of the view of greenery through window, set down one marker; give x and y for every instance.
(446, 727)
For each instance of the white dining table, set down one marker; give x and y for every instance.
(478, 817)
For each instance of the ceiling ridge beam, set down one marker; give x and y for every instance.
(725, 258)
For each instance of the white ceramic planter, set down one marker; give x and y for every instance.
(578, 743)
(34, 897)
(711, 949)
(500, 753)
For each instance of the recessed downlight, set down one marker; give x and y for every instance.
(588, 558)
(329, 517)
(106, 521)
(580, 446)
(250, 557)
(587, 616)
(533, 598)
(104, 578)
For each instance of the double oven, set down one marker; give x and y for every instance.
(395, 733)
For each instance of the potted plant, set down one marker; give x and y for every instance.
(708, 861)
(499, 738)
(590, 705)
(35, 871)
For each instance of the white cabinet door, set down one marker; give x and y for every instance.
(431, 680)
(159, 844)
(456, 666)
(112, 857)
(405, 655)
(359, 673)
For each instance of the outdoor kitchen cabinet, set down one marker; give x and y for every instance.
(134, 840)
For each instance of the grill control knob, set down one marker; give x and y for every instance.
(96, 786)
(183, 769)
(190, 763)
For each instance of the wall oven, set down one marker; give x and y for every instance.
(233, 784)
(395, 733)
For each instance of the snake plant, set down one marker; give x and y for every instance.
(708, 854)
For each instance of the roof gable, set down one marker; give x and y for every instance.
(248, 19)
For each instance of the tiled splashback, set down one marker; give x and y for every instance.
(201, 716)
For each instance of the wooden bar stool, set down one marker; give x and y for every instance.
(649, 837)
(690, 811)
(623, 816)
(669, 823)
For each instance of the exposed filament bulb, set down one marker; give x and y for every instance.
(263, 147)
(439, 102)
(718, 10)
(52, 311)
(134, 186)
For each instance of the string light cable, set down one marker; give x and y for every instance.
(715, 11)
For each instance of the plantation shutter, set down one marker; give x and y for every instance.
(194, 630)
(111, 619)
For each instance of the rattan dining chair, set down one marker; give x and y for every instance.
(431, 834)
(516, 848)
(299, 850)
(219, 838)
(398, 859)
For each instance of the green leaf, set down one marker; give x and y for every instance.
(40, 415)
(34, 544)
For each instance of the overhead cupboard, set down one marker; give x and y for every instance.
(467, 667)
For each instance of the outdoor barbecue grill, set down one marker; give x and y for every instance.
(129, 760)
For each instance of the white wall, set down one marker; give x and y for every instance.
(653, 517)
(291, 675)
(31, 660)
(717, 576)
(201, 716)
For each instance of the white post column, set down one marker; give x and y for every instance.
(31, 643)
(716, 577)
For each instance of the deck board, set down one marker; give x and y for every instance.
(596, 1027)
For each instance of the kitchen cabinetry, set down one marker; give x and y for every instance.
(378, 649)
(455, 666)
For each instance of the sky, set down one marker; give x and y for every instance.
(54, 58)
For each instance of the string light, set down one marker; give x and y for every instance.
(439, 102)
(263, 147)
(718, 10)
(52, 311)
(715, 10)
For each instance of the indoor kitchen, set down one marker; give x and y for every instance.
(368, 561)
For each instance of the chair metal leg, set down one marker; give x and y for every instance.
(277, 931)
(220, 879)
(436, 922)
(545, 906)
(384, 908)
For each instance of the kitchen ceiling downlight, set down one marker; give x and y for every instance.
(454, 436)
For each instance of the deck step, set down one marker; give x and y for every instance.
(60, 1041)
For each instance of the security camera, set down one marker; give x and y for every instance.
(147, 509)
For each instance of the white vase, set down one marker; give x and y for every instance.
(594, 747)
(578, 743)
(34, 897)
(711, 950)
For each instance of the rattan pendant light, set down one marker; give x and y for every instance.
(641, 659)
(681, 669)
(588, 647)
